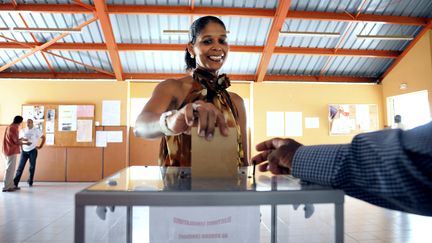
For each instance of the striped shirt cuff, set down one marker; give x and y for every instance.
(317, 164)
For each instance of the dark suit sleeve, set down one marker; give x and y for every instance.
(389, 168)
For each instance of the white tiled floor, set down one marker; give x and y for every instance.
(45, 213)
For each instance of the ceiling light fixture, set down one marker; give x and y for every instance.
(175, 32)
(40, 30)
(179, 32)
(309, 34)
(385, 37)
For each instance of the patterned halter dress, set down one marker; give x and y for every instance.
(176, 150)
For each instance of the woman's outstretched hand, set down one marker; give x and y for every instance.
(204, 115)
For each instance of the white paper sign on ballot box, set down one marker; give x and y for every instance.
(204, 224)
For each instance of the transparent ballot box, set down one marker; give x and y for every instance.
(165, 204)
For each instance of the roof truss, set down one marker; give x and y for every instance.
(279, 15)
(188, 10)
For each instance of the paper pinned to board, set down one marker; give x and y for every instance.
(114, 136)
(84, 131)
(49, 139)
(101, 139)
(216, 158)
(111, 112)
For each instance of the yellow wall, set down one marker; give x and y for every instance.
(142, 90)
(415, 69)
(312, 100)
(242, 89)
(14, 93)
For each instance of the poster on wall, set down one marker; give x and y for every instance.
(339, 119)
(275, 123)
(84, 131)
(85, 111)
(293, 124)
(67, 118)
(351, 119)
(49, 124)
(36, 113)
(49, 139)
(101, 139)
(111, 113)
(311, 122)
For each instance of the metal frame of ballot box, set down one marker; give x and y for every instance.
(175, 187)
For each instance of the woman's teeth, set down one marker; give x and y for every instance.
(216, 58)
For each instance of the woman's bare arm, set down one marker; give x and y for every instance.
(238, 102)
(163, 99)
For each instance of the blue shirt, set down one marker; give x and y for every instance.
(389, 168)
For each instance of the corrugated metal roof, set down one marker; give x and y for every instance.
(351, 41)
(201, 3)
(148, 29)
(152, 61)
(357, 66)
(238, 3)
(89, 34)
(325, 6)
(173, 62)
(340, 66)
(296, 64)
(149, 2)
(241, 63)
(244, 31)
(419, 8)
(33, 63)
(98, 59)
(296, 25)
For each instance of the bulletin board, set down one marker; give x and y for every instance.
(64, 125)
(351, 119)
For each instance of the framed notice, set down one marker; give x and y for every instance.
(351, 119)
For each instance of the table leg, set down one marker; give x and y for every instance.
(129, 219)
(339, 222)
(79, 224)
(273, 223)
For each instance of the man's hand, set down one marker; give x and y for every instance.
(278, 153)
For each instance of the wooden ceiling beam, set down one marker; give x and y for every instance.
(243, 12)
(278, 20)
(105, 22)
(181, 47)
(163, 76)
(36, 42)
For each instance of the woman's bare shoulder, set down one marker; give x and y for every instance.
(235, 97)
(175, 83)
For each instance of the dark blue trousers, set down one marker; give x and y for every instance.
(30, 155)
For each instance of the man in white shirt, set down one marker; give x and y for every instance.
(29, 152)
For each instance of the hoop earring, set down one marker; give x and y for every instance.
(192, 56)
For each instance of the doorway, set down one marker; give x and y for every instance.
(412, 107)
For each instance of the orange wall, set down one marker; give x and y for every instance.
(14, 93)
(415, 69)
(312, 100)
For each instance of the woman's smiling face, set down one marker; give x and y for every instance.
(211, 47)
